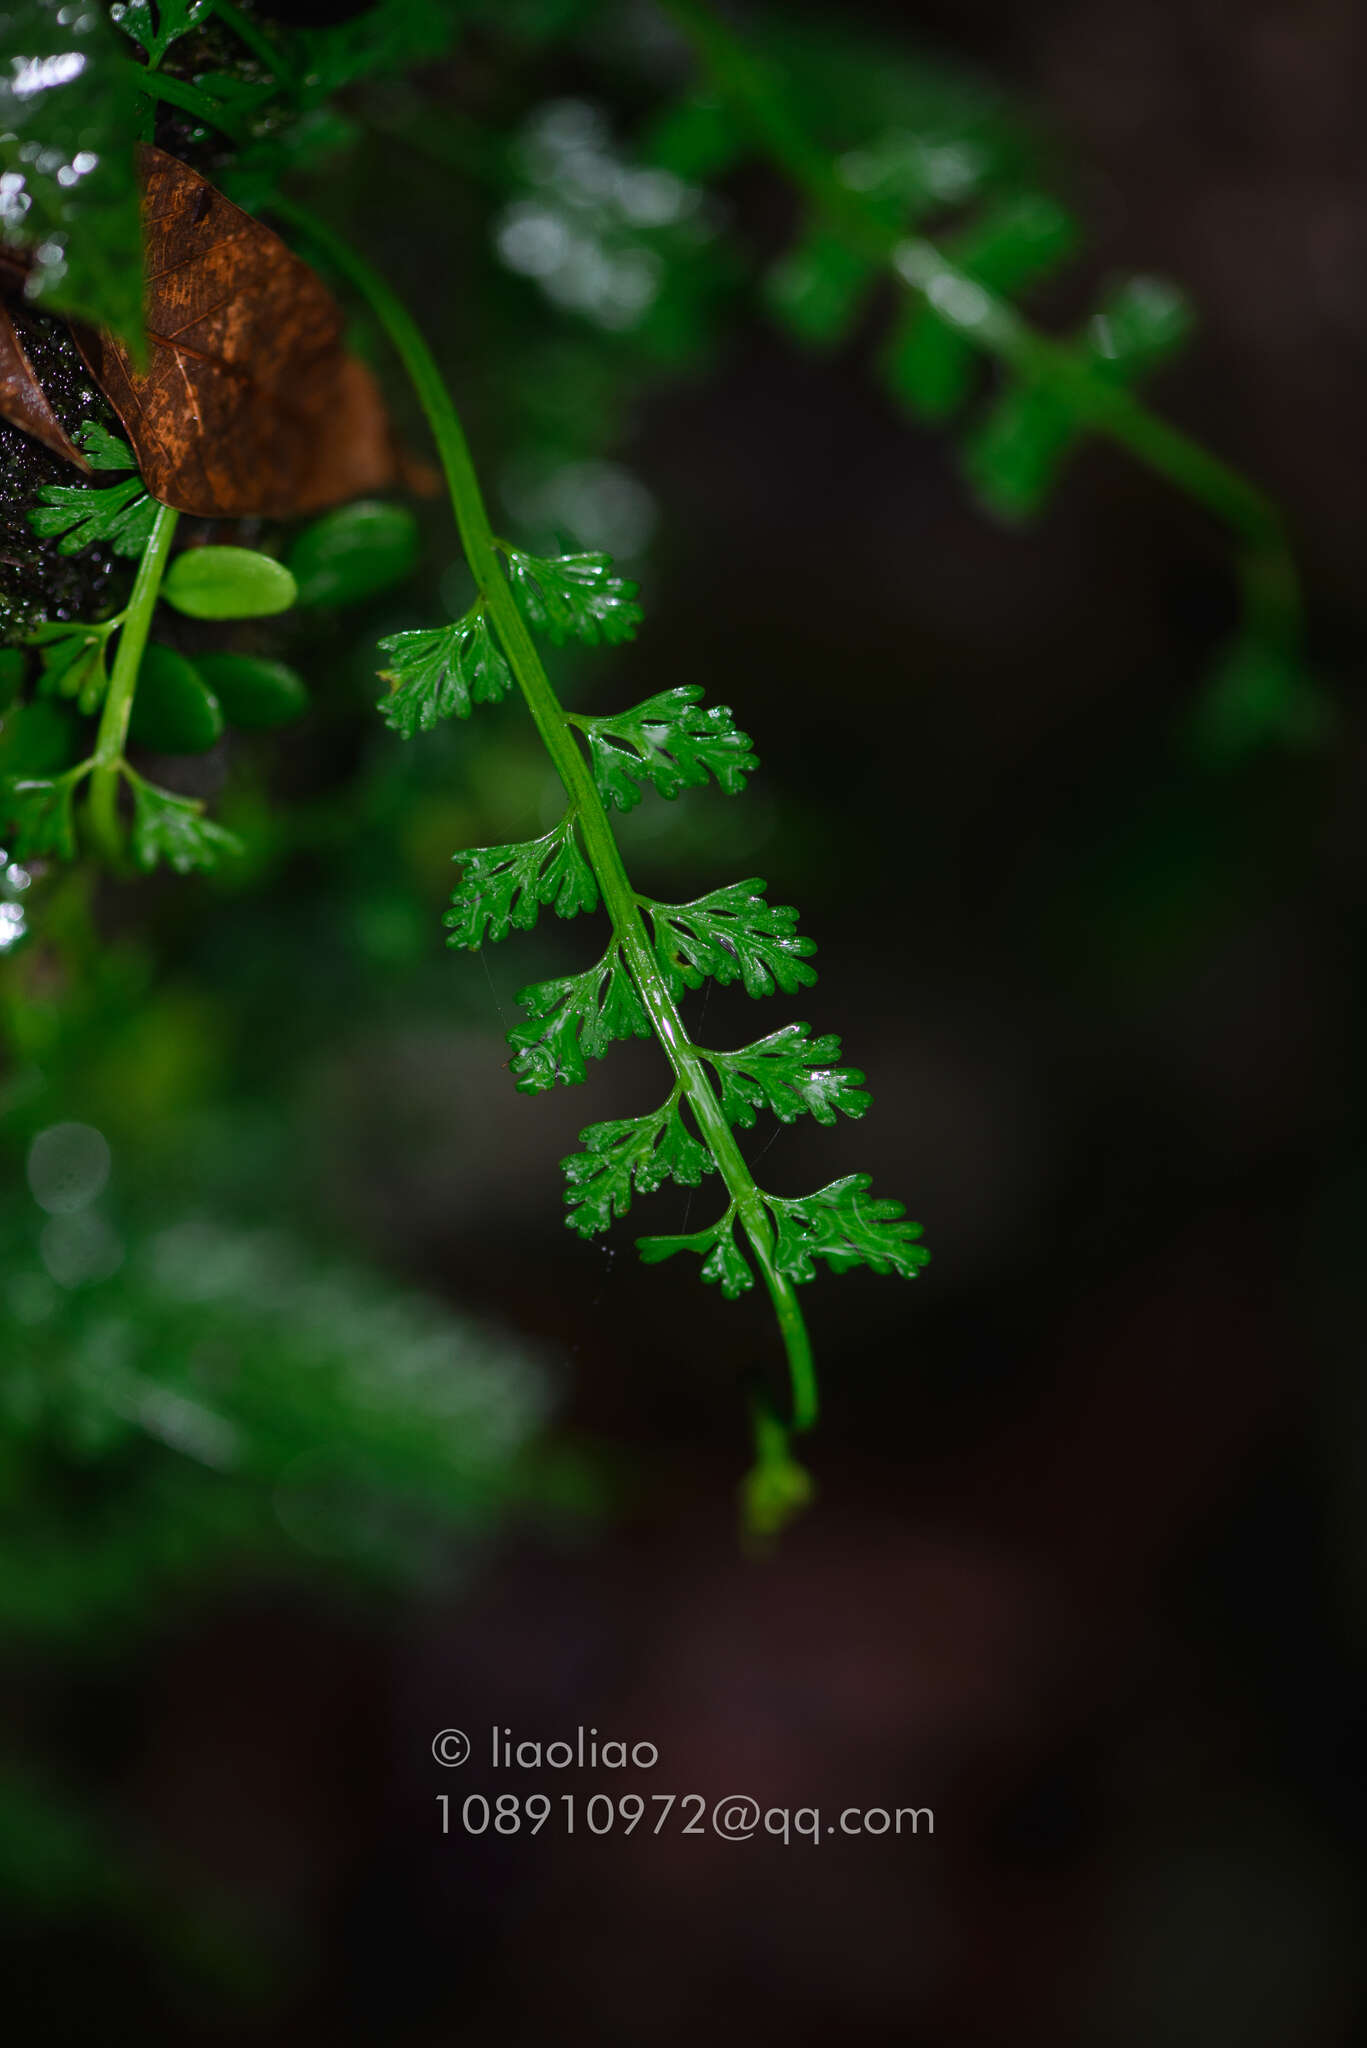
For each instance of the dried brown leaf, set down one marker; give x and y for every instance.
(250, 404)
(22, 399)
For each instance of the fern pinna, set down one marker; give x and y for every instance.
(655, 951)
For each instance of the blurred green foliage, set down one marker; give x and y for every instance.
(68, 118)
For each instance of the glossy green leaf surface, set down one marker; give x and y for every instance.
(732, 934)
(69, 113)
(174, 711)
(352, 553)
(573, 1019)
(724, 1265)
(120, 515)
(503, 888)
(639, 1153)
(671, 742)
(154, 27)
(844, 1225)
(575, 597)
(228, 583)
(103, 450)
(441, 672)
(790, 1073)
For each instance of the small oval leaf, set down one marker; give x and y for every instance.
(255, 695)
(352, 553)
(174, 711)
(228, 583)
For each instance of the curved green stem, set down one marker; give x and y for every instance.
(990, 323)
(103, 807)
(552, 724)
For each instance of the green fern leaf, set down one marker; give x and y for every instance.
(789, 1073)
(640, 1152)
(671, 742)
(574, 1018)
(121, 515)
(36, 815)
(732, 935)
(103, 450)
(156, 33)
(440, 672)
(73, 666)
(575, 597)
(724, 1264)
(842, 1225)
(505, 886)
(173, 829)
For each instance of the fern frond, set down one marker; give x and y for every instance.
(103, 450)
(641, 1152)
(121, 515)
(575, 597)
(790, 1073)
(440, 672)
(843, 1225)
(671, 743)
(724, 1264)
(502, 887)
(732, 934)
(572, 1019)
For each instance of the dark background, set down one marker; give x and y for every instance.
(1085, 1574)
